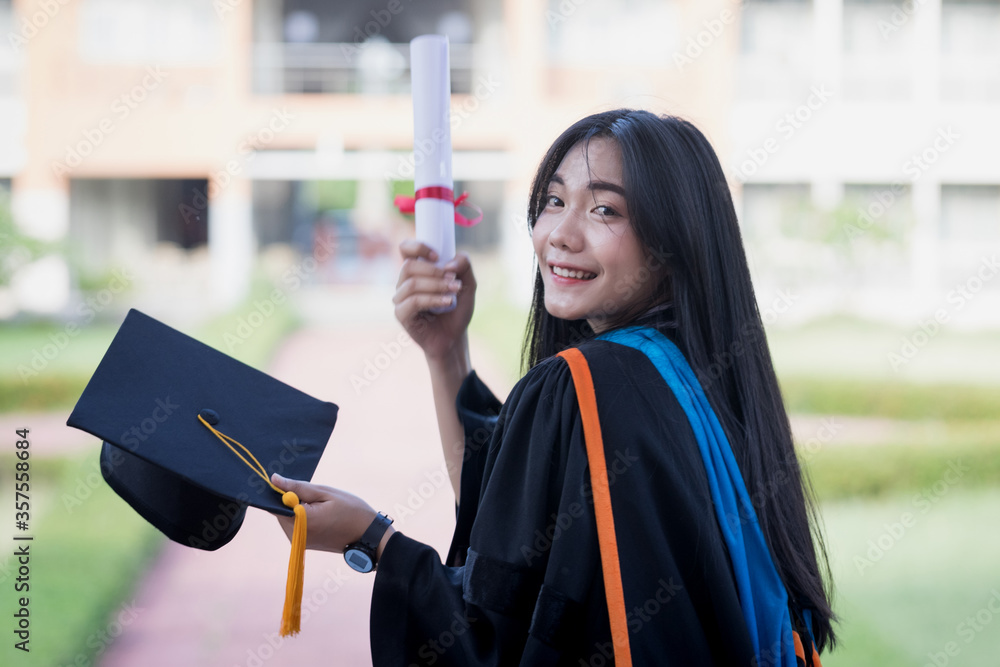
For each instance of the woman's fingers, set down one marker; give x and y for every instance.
(307, 492)
(461, 266)
(420, 267)
(421, 286)
(424, 286)
(410, 310)
(412, 248)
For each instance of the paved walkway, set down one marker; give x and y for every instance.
(223, 608)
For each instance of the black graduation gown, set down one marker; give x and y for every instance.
(523, 581)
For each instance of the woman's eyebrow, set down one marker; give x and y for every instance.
(604, 185)
(593, 186)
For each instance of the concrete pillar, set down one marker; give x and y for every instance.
(925, 259)
(373, 205)
(231, 243)
(925, 253)
(267, 28)
(827, 185)
(40, 208)
(926, 55)
(828, 31)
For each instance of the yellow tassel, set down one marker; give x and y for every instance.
(292, 615)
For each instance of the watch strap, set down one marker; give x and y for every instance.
(375, 531)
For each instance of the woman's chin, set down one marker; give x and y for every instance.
(563, 312)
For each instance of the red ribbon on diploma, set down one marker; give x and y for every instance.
(408, 204)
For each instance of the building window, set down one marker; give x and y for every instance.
(774, 210)
(600, 33)
(970, 213)
(776, 48)
(876, 213)
(119, 219)
(877, 51)
(143, 32)
(970, 50)
(317, 46)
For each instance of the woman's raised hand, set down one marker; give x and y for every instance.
(422, 286)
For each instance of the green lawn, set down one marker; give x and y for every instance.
(901, 603)
(89, 549)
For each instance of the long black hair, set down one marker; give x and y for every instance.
(682, 212)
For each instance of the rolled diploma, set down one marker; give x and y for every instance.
(431, 82)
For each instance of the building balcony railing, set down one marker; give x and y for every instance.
(373, 67)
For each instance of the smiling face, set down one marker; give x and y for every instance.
(592, 264)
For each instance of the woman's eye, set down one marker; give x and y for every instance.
(552, 200)
(606, 211)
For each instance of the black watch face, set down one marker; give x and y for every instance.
(359, 560)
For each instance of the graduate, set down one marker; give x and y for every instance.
(714, 556)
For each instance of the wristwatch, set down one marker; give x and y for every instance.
(361, 554)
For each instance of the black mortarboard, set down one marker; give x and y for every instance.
(144, 401)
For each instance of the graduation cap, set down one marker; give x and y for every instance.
(192, 435)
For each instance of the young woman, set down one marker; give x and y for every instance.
(639, 260)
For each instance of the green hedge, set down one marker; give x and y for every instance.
(45, 392)
(894, 400)
(842, 471)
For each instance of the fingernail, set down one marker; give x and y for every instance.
(449, 276)
(455, 285)
(445, 300)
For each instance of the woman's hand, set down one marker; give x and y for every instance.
(334, 518)
(422, 286)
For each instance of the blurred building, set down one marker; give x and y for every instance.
(182, 139)
(865, 135)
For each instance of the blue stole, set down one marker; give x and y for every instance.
(762, 594)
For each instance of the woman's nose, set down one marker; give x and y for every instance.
(567, 232)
